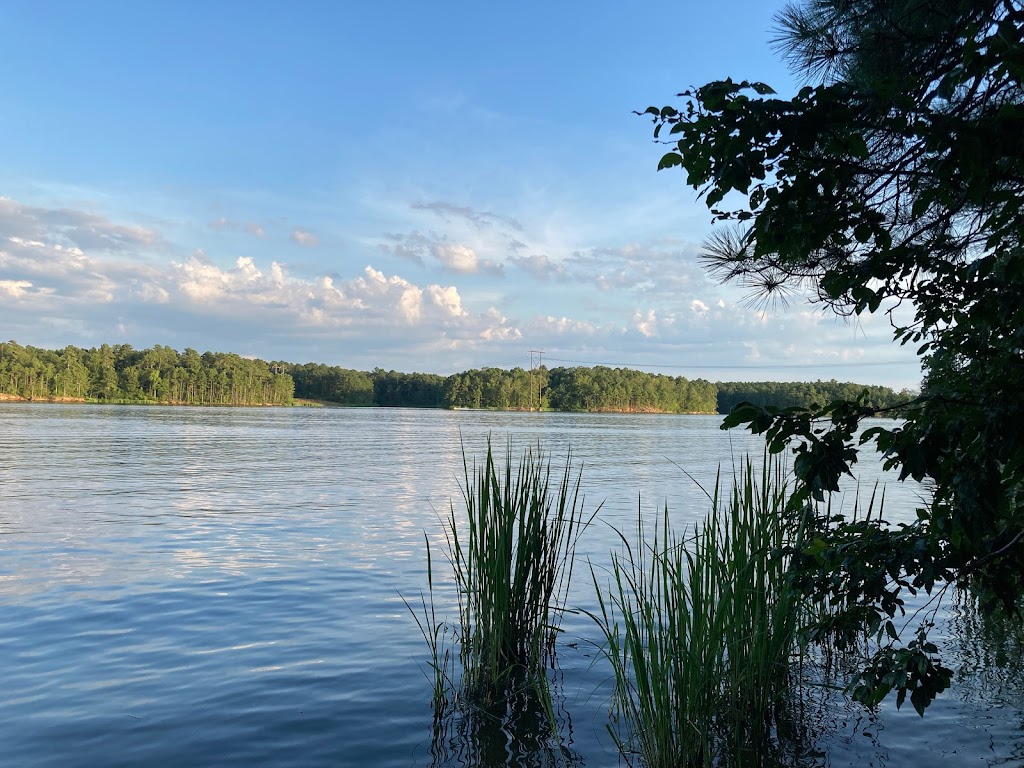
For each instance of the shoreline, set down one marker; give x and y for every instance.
(310, 403)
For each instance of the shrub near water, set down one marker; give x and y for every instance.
(699, 632)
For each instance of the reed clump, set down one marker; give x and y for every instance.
(512, 559)
(700, 631)
(510, 550)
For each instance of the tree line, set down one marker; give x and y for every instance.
(120, 374)
(570, 389)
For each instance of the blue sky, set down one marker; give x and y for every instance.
(417, 186)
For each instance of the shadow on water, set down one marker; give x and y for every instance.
(524, 727)
(988, 646)
(980, 718)
(519, 731)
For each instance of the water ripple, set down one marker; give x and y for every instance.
(186, 586)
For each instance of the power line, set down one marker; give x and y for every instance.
(737, 367)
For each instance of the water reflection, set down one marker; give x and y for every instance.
(988, 649)
(230, 578)
(517, 730)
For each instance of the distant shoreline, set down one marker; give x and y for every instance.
(121, 375)
(311, 403)
(59, 400)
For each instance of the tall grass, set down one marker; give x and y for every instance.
(700, 631)
(510, 548)
(512, 559)
(436, 633)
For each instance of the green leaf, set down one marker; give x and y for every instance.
(890, 630)
(670, 160)
(920, 698)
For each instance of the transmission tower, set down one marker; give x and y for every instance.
(540, 364)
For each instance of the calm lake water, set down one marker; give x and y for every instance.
(221, 587)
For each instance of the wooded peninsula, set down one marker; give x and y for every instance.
(120, 374)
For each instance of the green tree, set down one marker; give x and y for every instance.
(103, 380)
(896, 176)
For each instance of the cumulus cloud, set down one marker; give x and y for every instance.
(304, 238)
(373, 299)
(45, 275)
(646, 324)
(55, 269)
(470, 241)
(448, 299)
(201, 281)
(457, 257)
(73, 272)
(148, 293)
(437, 249)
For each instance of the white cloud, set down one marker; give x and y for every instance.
(201, 281)
(63, 226)
(71, 274)
(447, 299)
(646, 324)
(563, 325)
(456, 257)
(469, 251)
(149, 293)
(15, 288)
(277, 274)
(304, 238)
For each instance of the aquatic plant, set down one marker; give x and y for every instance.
(510, 555)
(435, 632)
(512, 559)
(700, 630)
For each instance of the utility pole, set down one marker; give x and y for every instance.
(531, 380)
(540, 363)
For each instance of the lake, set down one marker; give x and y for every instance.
(222, 587)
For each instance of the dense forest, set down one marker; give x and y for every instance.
(560, 389)
(570, 389)
(803, 394)
(120, 374)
